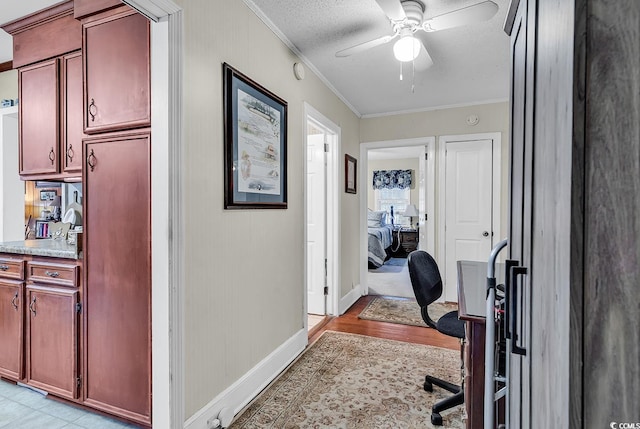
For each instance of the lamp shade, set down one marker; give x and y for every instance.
(411, 211)
(406, 49)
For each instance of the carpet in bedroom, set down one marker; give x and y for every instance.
(354, 381)
(391, 279)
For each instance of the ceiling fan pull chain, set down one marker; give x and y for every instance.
(400, 70)
(413, 75)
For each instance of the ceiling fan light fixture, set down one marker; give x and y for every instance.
(406, 49)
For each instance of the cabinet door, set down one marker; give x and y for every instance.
(117, 71)
(52, 340)
(72, 112)
(38, 92)
(11, 322)
(118, 275)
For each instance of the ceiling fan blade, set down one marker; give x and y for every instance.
(393, 9)
(423, 61)
(366, 45)
(465, 16)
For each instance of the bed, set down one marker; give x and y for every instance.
(380, 238)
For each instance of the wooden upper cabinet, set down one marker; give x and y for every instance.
(72, 108)
(39, 101)
(83, 8)
(116, 71)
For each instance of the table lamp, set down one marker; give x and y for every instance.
(411, 211)
(57, 211)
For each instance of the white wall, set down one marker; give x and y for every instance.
(245, 268)
(9, 85)
(12, 197)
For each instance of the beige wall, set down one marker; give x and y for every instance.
(245, 268)
(493, 117)
(393, 164)
(9, 85)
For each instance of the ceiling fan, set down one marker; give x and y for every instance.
(407, 18)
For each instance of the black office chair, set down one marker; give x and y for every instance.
(427, 286)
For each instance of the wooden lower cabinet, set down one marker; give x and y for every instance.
(52, 340)
(11, 328)
(117, 359)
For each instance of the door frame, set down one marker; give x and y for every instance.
(332, 212)
(496, 180)
(430, 190)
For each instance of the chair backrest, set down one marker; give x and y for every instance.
(425, 280)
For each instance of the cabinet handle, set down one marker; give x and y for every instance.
(4, 267)
(53, 274)
(91, 160)
(13, 301)
(70, 153)
(515, 272)
(93, 110)
(52, 156)
(32, 306)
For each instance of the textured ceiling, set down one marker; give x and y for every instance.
(470, 63)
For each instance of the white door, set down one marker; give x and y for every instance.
(316, 220)
(468, 212)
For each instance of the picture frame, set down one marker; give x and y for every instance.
(255, 144)
(350, 174)
(48, 195)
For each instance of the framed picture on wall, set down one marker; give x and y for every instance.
(255, 134)
(350, 174)
(47, 195)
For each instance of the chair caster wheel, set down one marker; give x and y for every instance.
(428, 387)
(436, 419)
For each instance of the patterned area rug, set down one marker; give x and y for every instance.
(404, 311)
(352, 381)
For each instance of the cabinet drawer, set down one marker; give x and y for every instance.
(11, 269)
(49, 273)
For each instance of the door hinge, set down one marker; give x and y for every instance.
(326, 290)
(326, 147)
(426, 156)
(79, 381)
(426, 217)
(78, 307)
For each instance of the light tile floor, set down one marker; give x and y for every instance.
(22, 408)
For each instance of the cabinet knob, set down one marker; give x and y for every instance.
(91, 160)
(14, 301)
(32, 306)
(53, 274)
(93, 110)
(52, 156)
(4, 267)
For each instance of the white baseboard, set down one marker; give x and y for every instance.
(349, 299)
(240, 393)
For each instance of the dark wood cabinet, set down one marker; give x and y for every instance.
(405, 241)
(117, 360)
(52, 340)
(51, 105)
(11, 328)
(39, 119)
(116, 46)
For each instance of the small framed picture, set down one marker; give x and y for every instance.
(47, 195)
(350, 174)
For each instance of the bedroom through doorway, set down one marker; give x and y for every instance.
(397, 198)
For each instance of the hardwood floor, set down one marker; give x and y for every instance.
(350, 323)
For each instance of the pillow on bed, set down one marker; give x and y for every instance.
(375, 219)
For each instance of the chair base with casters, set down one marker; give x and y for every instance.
(449, 324)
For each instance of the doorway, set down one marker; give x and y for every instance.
(321, 208)
(468, 203)
(419, 156)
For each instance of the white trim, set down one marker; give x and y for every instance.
(333, 209)
(167, 224)
(349, 299)
(363, 179)
(265, 19)
(430, 109)
(496, 196)
(240, 393)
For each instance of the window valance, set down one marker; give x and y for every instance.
(391, 179)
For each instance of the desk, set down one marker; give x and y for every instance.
(472, 287)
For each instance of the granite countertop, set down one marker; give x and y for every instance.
(45, 247)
